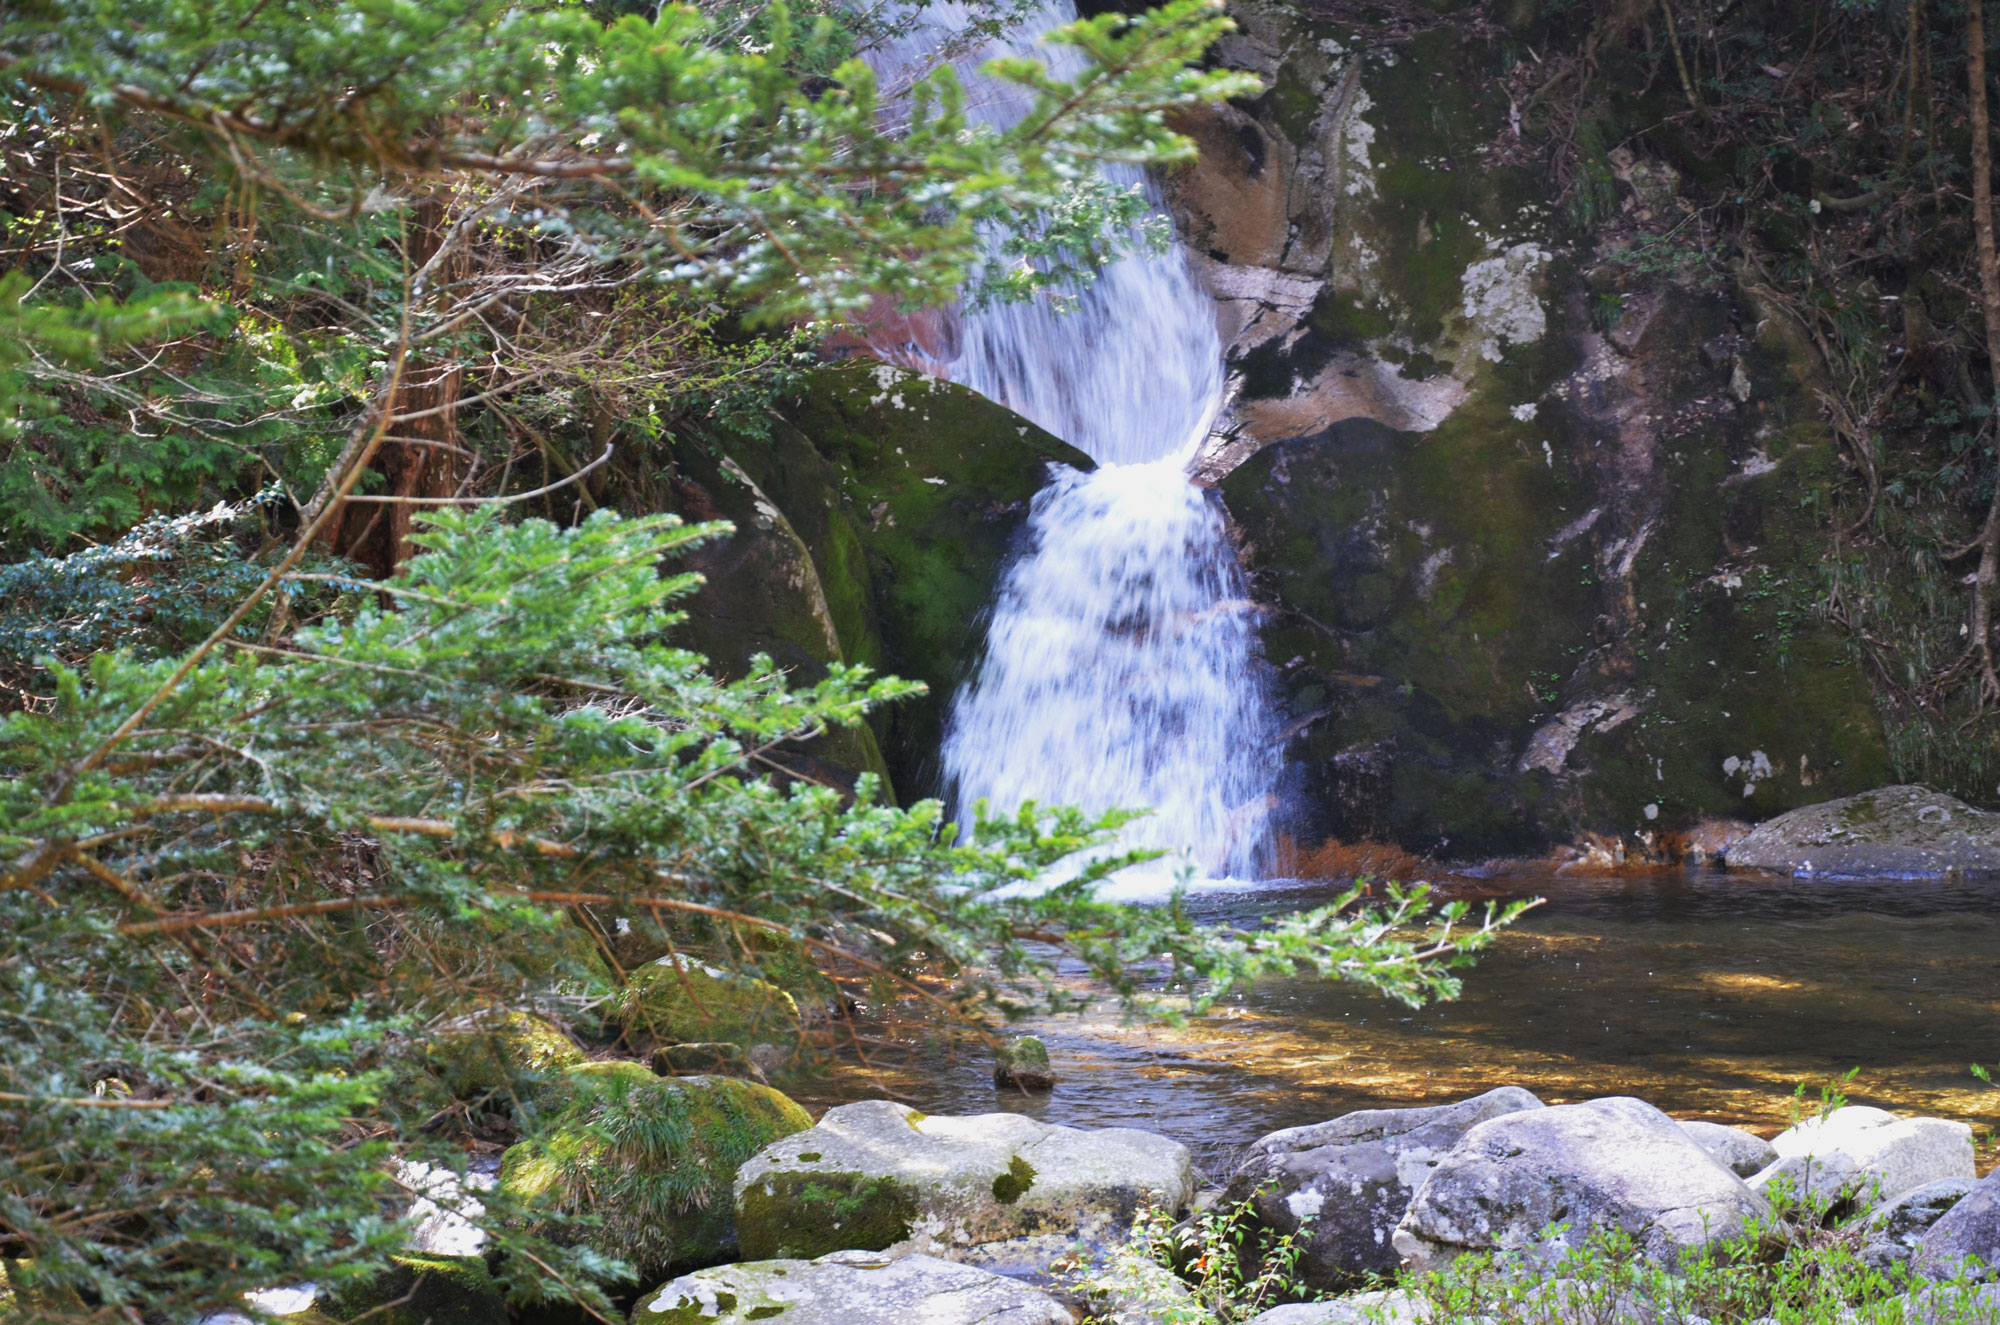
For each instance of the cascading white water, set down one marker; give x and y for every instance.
(1120, 667)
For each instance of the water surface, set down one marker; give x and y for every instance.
(1709, 995)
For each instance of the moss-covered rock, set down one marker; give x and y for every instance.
(421, 1290)
(907, 491)
(677, 1000)
(1023, 1064)
(653, 1158)
(512, 1053)
(1014, 1191)
(23, 1293)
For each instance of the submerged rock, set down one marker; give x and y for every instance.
(1903, 831)
(1743, 1153)
(651, 1157)
(849, 1288)
(1023, 1064)
(996, 1189)
(1867, 1155)
(1610, 1163)
(1349, 1181)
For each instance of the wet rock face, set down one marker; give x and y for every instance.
(1531, 513)
(1349, 1180)
(1614, 1163)
(996, 1189)
(871, 528)
(1905, 831)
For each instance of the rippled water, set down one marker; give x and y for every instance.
(1709, 995)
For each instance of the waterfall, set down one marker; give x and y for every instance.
(1121, 664)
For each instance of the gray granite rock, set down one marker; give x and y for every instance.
(1867, 1155)
(1966, 1238)
(1904, 831)
(1897, 1228)
(849, 1288)
(1348, 1181)
(995, 1189)
(1552, 1177)
(1742, 1153)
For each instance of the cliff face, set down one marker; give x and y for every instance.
(1535, 511)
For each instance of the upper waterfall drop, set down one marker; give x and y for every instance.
(1121, 667)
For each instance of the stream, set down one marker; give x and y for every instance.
(1709, 995)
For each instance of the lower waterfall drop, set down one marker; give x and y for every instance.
(1121, 671)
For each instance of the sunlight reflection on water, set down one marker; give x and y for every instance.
(1706, 994)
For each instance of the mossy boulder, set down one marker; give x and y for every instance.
(512, 1053)
(677, 1000)
(421, 1290)
(23, 1293)
(998, 1187)
(652, 1157)
(1023, 1064)
(907, 492)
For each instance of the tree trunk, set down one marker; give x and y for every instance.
(422, 457)
(1979, 624)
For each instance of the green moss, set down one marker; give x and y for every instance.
(22, 1296)
(510, 1054)
(1012, 1185)
(679, 1001)
(421, 1290)
(653, 1158)
(805, 1215)
(929, 483)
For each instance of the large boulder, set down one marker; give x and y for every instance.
(1966, 1238)
(1529, 570)
(1866, 1155)
(1348, 1181)
(849, 1288)
(650, 1157)
(997, 1188)
(1743, 1153)
(1557, 1175)
(420, 1290)
(1905, 831)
